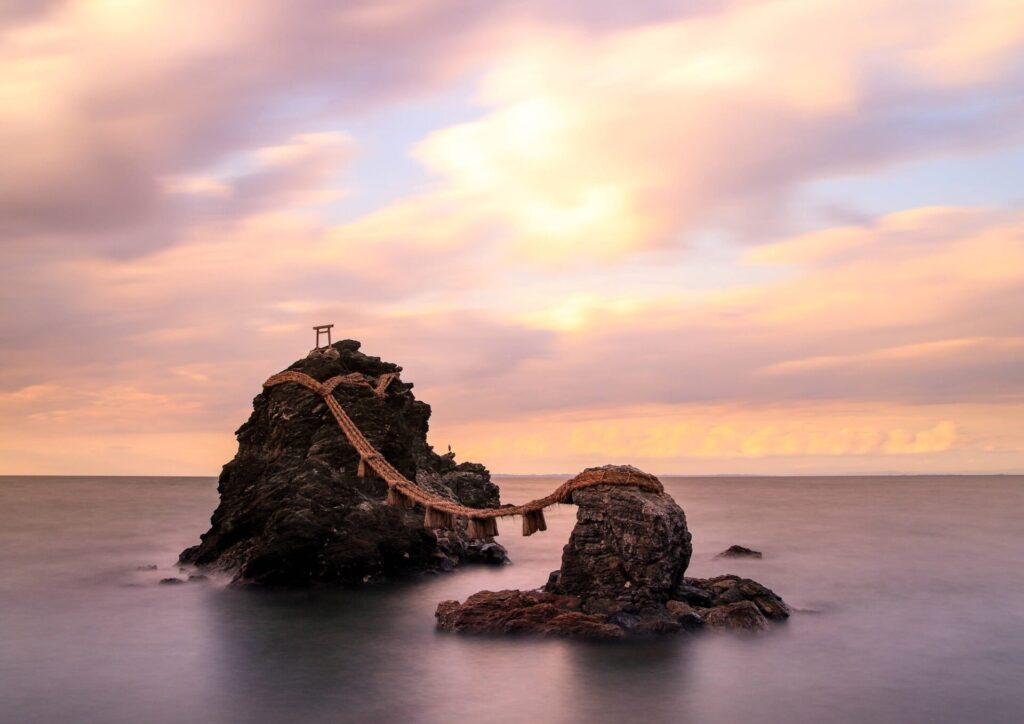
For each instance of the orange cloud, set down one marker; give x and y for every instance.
(699, 439)
(827, 331)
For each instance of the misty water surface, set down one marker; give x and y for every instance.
(909, 595)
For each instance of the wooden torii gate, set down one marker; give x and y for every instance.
(323, 329)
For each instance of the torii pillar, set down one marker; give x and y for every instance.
(323, 329)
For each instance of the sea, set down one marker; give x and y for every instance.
(908, 598)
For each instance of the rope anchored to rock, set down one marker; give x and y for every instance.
(439, 512)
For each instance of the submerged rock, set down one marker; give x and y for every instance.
(622, 574)
(293, 510)
(739, 552)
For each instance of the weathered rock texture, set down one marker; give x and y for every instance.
(524, 612)
(622, 574)
(628, 545)
(293, 510)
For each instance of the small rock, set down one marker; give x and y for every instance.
(685, 614)
(488, 552)
(721, 584)
(656, 621)
(171, 581)
(741, 616)
(744, 589)
(521, 612)
(691, 594)
(198, 577)
(739, 552)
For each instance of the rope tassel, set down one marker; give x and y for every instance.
(434, 518)
(533, 521)
(398, 499)
(361, 470)
(482, 528)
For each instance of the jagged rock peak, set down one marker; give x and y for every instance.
(294, 511)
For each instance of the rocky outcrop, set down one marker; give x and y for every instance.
(294, 511)
(622, 574)
(725, 602)
(524, 611)
(629, 545)
(739, 552)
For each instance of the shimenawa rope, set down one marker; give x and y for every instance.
(441, 513)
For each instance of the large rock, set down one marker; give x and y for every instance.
(622, 574)
(629, 545)
(292, 509)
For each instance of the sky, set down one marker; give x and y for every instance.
(709, 237)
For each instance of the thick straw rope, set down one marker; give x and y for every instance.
(398, 483)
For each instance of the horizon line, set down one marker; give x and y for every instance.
(569, 475)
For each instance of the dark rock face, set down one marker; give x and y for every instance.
(621, 575)
(715, 604)
(739, 552)
(729, 603)
(629, 545)
(292, 509)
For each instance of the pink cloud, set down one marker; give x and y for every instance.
(598, 146)
(164, 243)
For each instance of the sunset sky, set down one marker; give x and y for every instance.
(782, 236)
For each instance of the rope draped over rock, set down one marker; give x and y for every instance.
(440, 512)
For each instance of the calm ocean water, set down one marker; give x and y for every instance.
(910, 590)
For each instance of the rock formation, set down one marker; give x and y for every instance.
(294, 510)
(622, 574)
(628, 545)
(739, 552)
